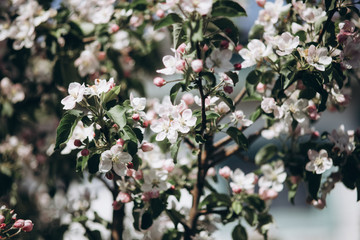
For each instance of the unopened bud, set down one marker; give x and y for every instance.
(28, 226)
(180, 65)
(77, 143)
(116, 205)
(85, 152)
(224, 44)
(188, 98)
(120, 142)
(19, 223)
(239, 47)
(261, 3)
(146, 123)
(181, 48)
(135, 117)
(225, 172)
(101, 56)
(109, 175)
(2, 219)
(114, 28)
(160, 13)
(159, 81)
(197, 65)
(228, 89)
(130, 165)
(205, 48)
(123, 197)
(146, 147)
(237, 66)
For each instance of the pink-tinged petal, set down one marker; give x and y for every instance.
(187, 114)
(68, 102)
(125, 157)
(105, 165)
(161, 136)
(310, 167)
(119, 168)
(312, 154)
(281, 177)
(323, 153)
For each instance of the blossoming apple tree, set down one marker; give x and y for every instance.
(150, 153)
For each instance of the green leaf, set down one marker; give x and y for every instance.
(178, 33)
(118, 115)
(146, 220)
(329, 3)
(128, 134)
(292, 193)
(256, 32)
(228, 27)
(157, 207)
(196, 31)
(237, 207)
(265, 154)
(174, 91)
(227, 9)
(250, 216)
(66, 127)
(111, 95)
(239, 233)
(307, 93)
(175, 216)
(256, 114)
(226, 100)
(254, 77)
(93, 163)
(301, 35)
(238, 137)
(209, 77)
(233, 76)
(256, 202)
(215, 200)
(314, 181)
(139, 134)
(170, 19)
(81, 163)
(174, 150)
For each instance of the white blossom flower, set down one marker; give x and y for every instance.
(80, 132)
(317, 57)
(87, 62)
(100, 86)
(170, 65)
(222, 108)
(241, 182)
(312, 15)
(203, 235)
(155, 180)
(114, 159)
(286, 43)
(219, 60)
(201, 6)
(76, 92)
(255, 51)
(270, 14)
(268, 105)
(297, 107)
(209, 101)
(239, 117)
(350, 55)
(319, 161)
(274, 176)
(137, 104)
(120, 40)
(164, 129)
(182, 122)
(344, 141)
(13, 92)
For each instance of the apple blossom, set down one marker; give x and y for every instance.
(255, 51)
(238, 117)
(197, 65)
(286, 43)
(188, 98)
(274, 176)
(28, 226)
(319, 161)
(225, 172)
(2, 219)
(241, 182)
(159, 82)
(114, 159)
(123, 197)
(219, 60)
(19, 223)
(317, 57)
(76, 92)
(344, 142)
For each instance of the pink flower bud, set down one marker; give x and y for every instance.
(77, 143)
(224, 44)
(197, 65)
(123, 197)
(116, 205)
(225, 172)
(130, 165)
(138, 175)
(172, 187)
(236, 189)
(120, 142)
(315, 135)
(101, 55)
(160, 13)
(237, 66)
(135, 117)
(28, 226)
(188, 98)
(267, 194)
(85, 152)
(146, 147)
(19, 223)
(239, 47)
(159, 81)
(146, 196)
(261, 3)
(228, 89)
(205, 48)
(2, 226)
(154, 193)
(211, 172)
(115, 126)
(180, 65)
(260, 88)
(181, 48)
(109, 175)
(130, 172)
(146, 123)
(114, 28)
(2, 219)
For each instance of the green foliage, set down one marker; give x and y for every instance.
(118, 115)
(239, 233)
(265, 154)
(168, 20)
(238, 137)
(66, 127)
(226, 8)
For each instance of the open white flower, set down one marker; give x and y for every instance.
(255, 51)
(87, 63)
(242, 182)
(268, 105)
(219, 60)
(274, 176)
(182, 122)
(286, 43)
(239, 117)
(155, 180)
(317, 57)
(76, 92)
(100, 86)
(201, 6)
(297, 107)
(344, 142)
(319, 161)
(115, 159)
(138, 104)
(164, 129)
(170, 65)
